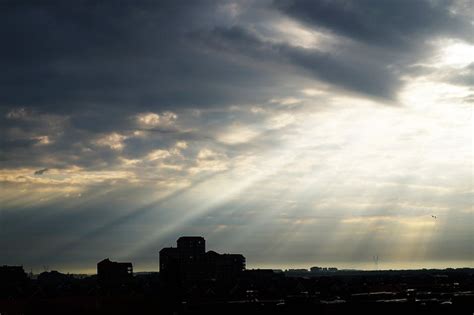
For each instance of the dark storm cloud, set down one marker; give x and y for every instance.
(78, 73)
(386, 38)
(393, 24)
(117, 54)
(148, 55)
(343, 68)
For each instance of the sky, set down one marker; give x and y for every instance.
(297, 133)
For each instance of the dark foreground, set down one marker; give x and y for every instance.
(254, 292)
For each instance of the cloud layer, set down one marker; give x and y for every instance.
(279, 129)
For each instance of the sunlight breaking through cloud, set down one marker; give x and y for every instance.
(268, 128)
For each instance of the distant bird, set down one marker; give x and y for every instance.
(434, 217)
(41, 171)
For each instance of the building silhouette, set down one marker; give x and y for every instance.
(13, 281)
(12, 274)
(112, 273)
(189, 263)
(317, 269)
(169, 264)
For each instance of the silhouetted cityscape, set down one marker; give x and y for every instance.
(236, 156)
(192, 280)
(189, 262)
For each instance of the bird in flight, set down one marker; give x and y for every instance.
(434, 217)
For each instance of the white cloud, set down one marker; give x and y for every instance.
(454, 54)
(112, 140)
(154, 120)
(286, 101)
(210, 161)
(313, 92)
(43, 140)
(181, 144)
(17, 113)
(158, 155)
(280, 120)
(237, 134)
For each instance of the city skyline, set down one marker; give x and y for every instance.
(164, 252)
(362, 266)
(297, 133)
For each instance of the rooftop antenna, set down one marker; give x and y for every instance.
(376, 261)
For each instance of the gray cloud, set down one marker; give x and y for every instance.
(339, 67)
(464, 76)
(146, 55)
(115, 54)
(396, 25)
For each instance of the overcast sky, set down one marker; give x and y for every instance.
(297, 133)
